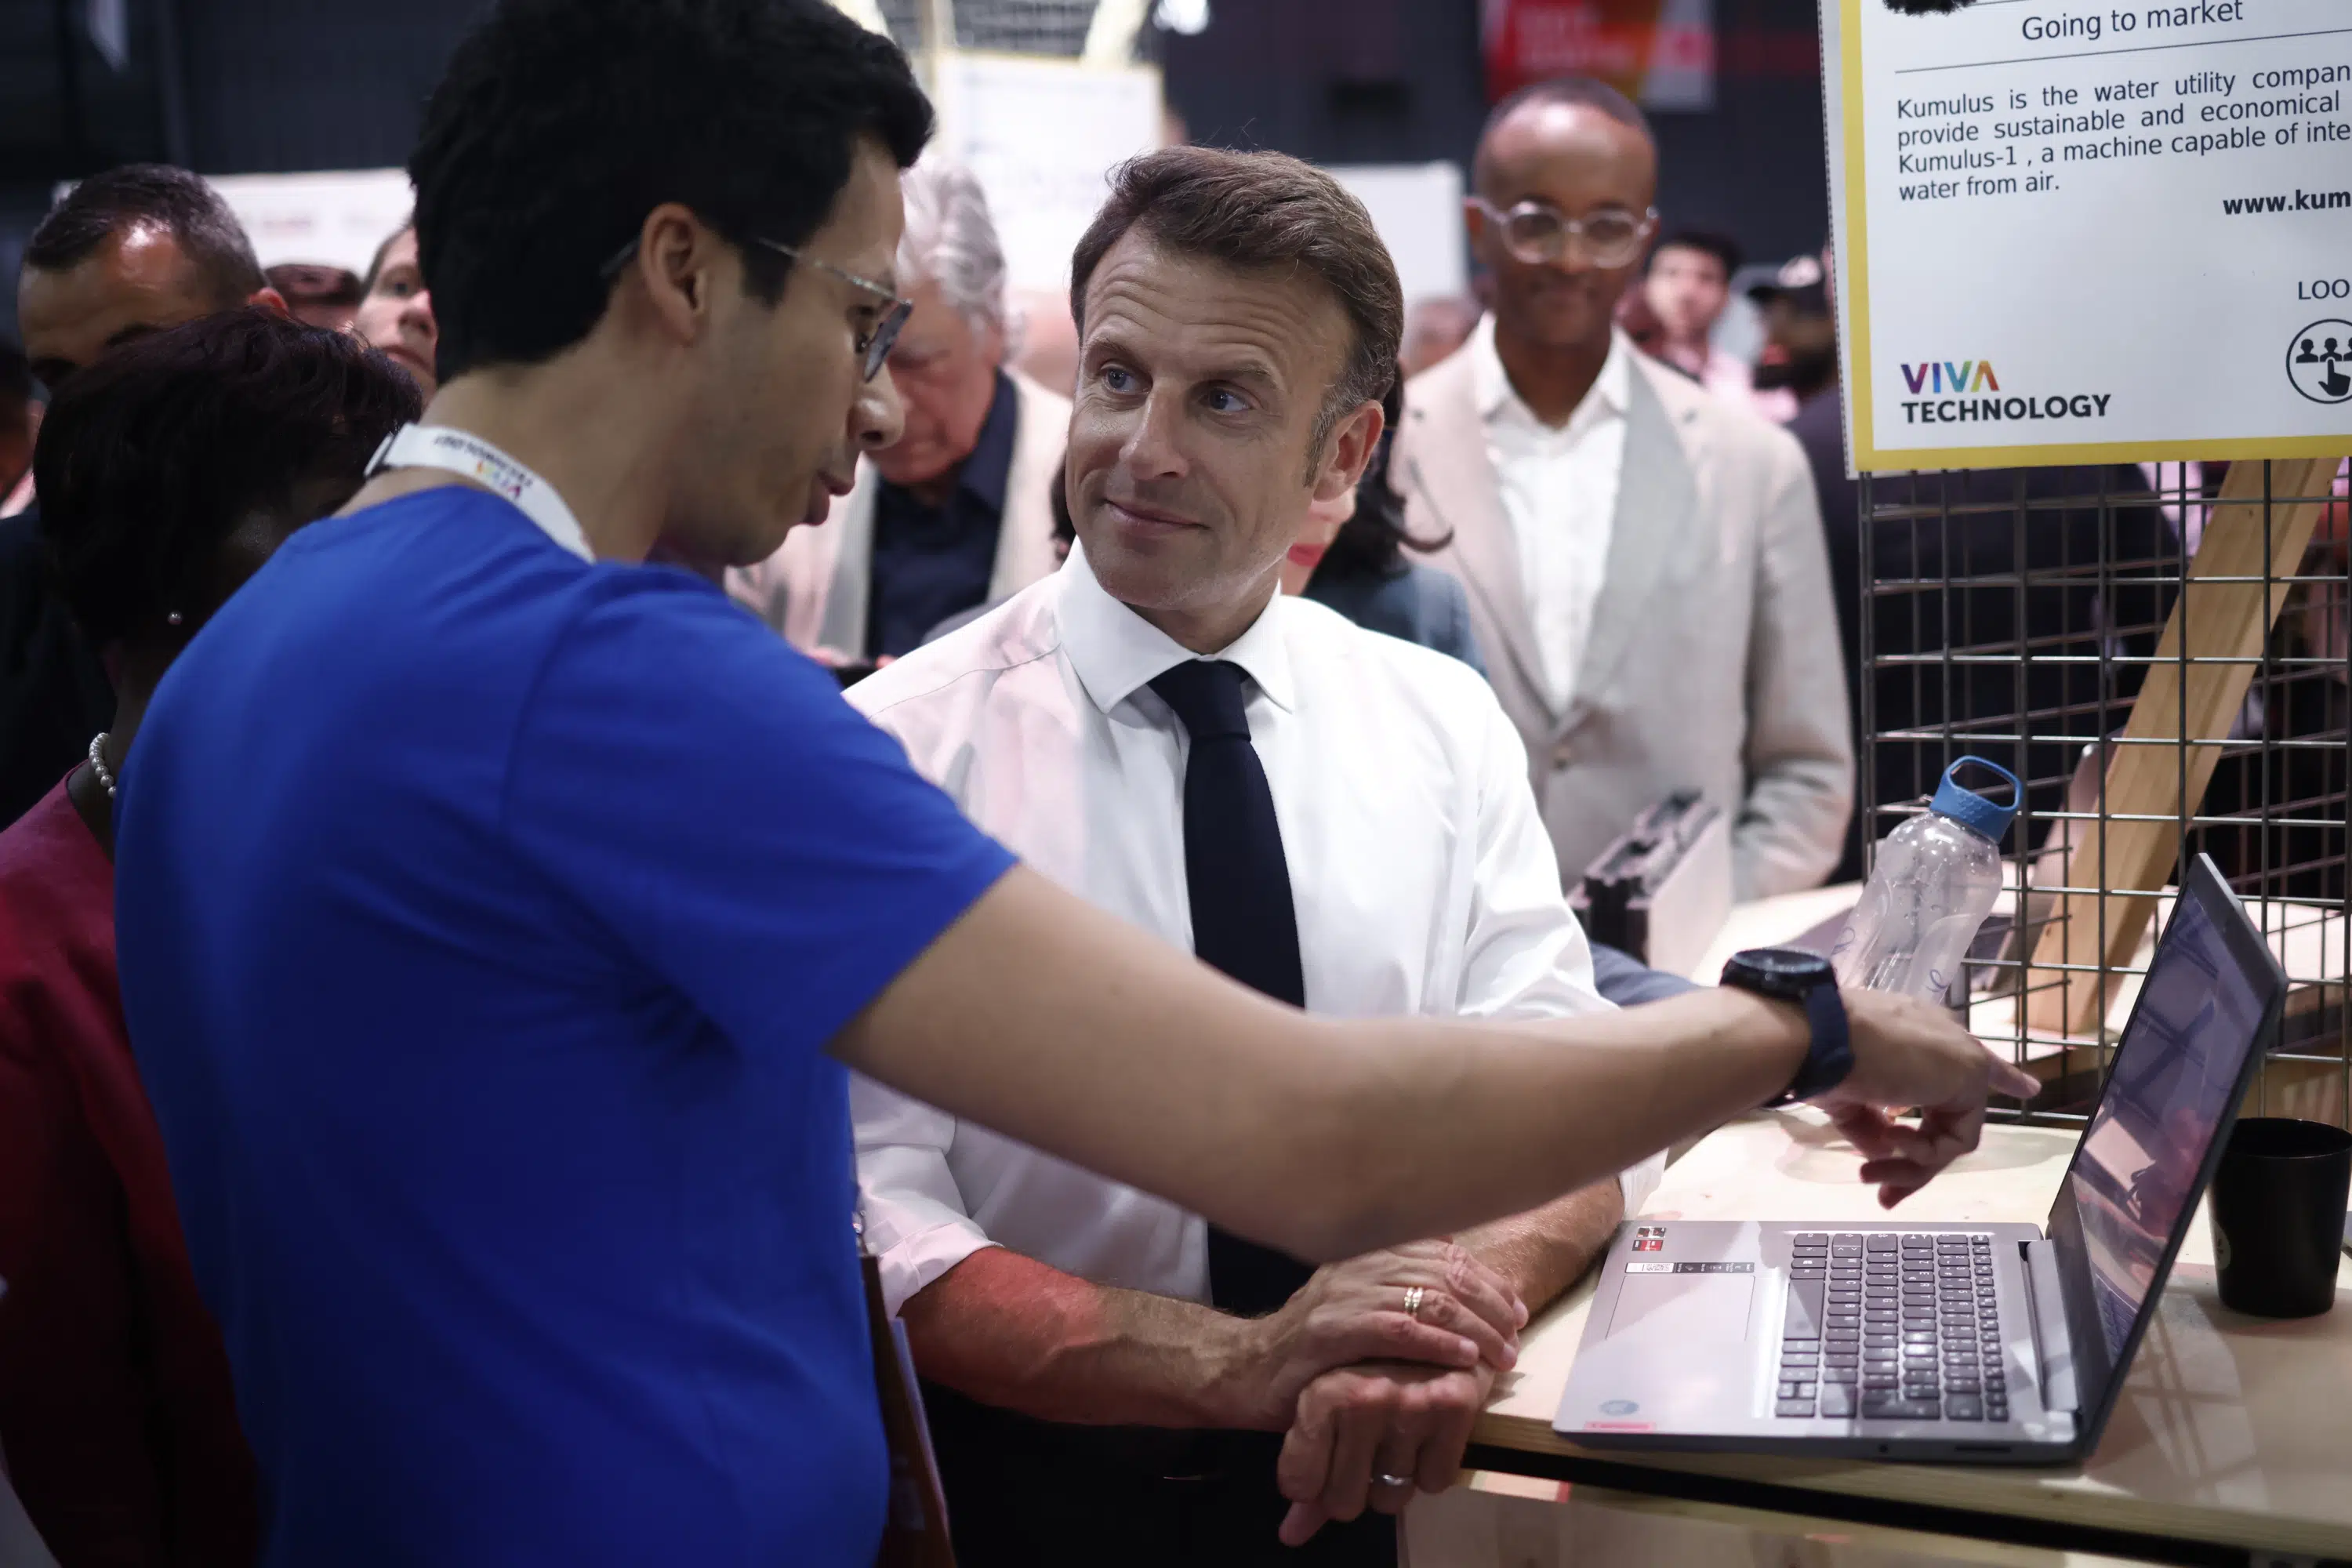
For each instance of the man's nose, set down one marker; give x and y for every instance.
(1154, 445)
(878, 418)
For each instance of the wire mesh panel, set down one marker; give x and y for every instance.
(2160, 653)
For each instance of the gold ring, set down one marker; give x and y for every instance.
(1412, 1299)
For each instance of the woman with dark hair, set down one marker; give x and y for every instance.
(1351, 556)
(169, 471)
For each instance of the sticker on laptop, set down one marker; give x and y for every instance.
(1643, 1266)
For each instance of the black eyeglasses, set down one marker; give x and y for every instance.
(1539, 234)
(873, 346)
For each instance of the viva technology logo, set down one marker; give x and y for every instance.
(1967, 392)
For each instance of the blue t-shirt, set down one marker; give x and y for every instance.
(484, 916)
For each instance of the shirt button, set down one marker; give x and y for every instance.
(1562, 754)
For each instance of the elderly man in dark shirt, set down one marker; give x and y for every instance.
(957, 513)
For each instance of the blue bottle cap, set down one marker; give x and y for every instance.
(1971, 810)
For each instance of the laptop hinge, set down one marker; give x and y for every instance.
(2054, 1346)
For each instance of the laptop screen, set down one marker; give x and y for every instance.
(2177, 1075)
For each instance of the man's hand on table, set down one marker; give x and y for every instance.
(1357, 1425)
(1356, 1312)
(1910, 1053)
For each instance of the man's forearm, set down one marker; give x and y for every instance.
(1014, 1332)
(1544, 1251)
(1326, 1139)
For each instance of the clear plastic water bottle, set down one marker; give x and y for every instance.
(1936, 881)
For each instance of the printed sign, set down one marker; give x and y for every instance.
(1660, 53)
(2085, 230)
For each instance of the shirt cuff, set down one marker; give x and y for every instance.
(919, 1259)
(1638, 1182)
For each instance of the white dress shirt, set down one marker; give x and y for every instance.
(1422, 877)
(1560, 488)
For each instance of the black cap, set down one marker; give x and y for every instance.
(1802, 281)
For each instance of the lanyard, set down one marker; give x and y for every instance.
(457, 452)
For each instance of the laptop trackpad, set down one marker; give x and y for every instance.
(1683, 1308)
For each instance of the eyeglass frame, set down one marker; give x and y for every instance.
(878, 342)
(1645, 227)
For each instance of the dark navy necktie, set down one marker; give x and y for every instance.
(1244, 923)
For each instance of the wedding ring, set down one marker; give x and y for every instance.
(1388, 1480)
(1412, 1298)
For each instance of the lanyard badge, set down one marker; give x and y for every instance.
(469, 455)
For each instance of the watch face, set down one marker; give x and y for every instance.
(1783, 966)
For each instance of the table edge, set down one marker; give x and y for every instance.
(1936, 1485)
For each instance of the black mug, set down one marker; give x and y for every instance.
(2278, 1215)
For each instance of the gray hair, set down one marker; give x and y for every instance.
(952, 241)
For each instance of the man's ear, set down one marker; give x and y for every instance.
(1473, 225)
(1347, 450)
(268, 299)
(675, 268)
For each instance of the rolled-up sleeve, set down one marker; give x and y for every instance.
(913, 1213)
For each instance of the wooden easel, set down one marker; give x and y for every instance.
(2183, 706)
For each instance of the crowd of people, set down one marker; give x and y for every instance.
(471, 987)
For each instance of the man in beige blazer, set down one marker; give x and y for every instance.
(1645, 563)
(956, 515)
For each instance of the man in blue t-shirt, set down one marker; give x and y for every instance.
(497, 914)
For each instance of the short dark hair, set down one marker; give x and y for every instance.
(15, 376)
(172, 199)
(1375, 539)
(1579, 91)
(154, 455)
(1254, 211)
(561, 123)
(1722, 247)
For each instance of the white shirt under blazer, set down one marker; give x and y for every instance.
(1421, 873)
(1705, 654)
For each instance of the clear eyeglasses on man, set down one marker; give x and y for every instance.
(873, 344)
(1539, 234)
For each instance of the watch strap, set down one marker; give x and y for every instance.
(1830, 1056)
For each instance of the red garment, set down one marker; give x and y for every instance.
(117, 1422)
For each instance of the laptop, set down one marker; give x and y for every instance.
(1984, 1343)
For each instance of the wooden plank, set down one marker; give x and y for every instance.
(2211, 621)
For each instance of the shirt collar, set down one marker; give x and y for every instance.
(1117, 652)
(1612, 390)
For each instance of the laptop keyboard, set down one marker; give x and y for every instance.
(1883, 1327)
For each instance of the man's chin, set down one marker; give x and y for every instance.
(927, 468)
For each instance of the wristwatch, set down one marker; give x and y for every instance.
(1792, 974)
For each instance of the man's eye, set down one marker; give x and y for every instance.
(1224, 400)
(1116, 379)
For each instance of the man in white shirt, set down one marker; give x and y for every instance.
(1646, 562)
(1128, 727)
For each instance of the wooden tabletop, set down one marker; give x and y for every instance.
(2230, 1429)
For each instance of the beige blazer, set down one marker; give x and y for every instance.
(816, 588)
(1712, 661)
